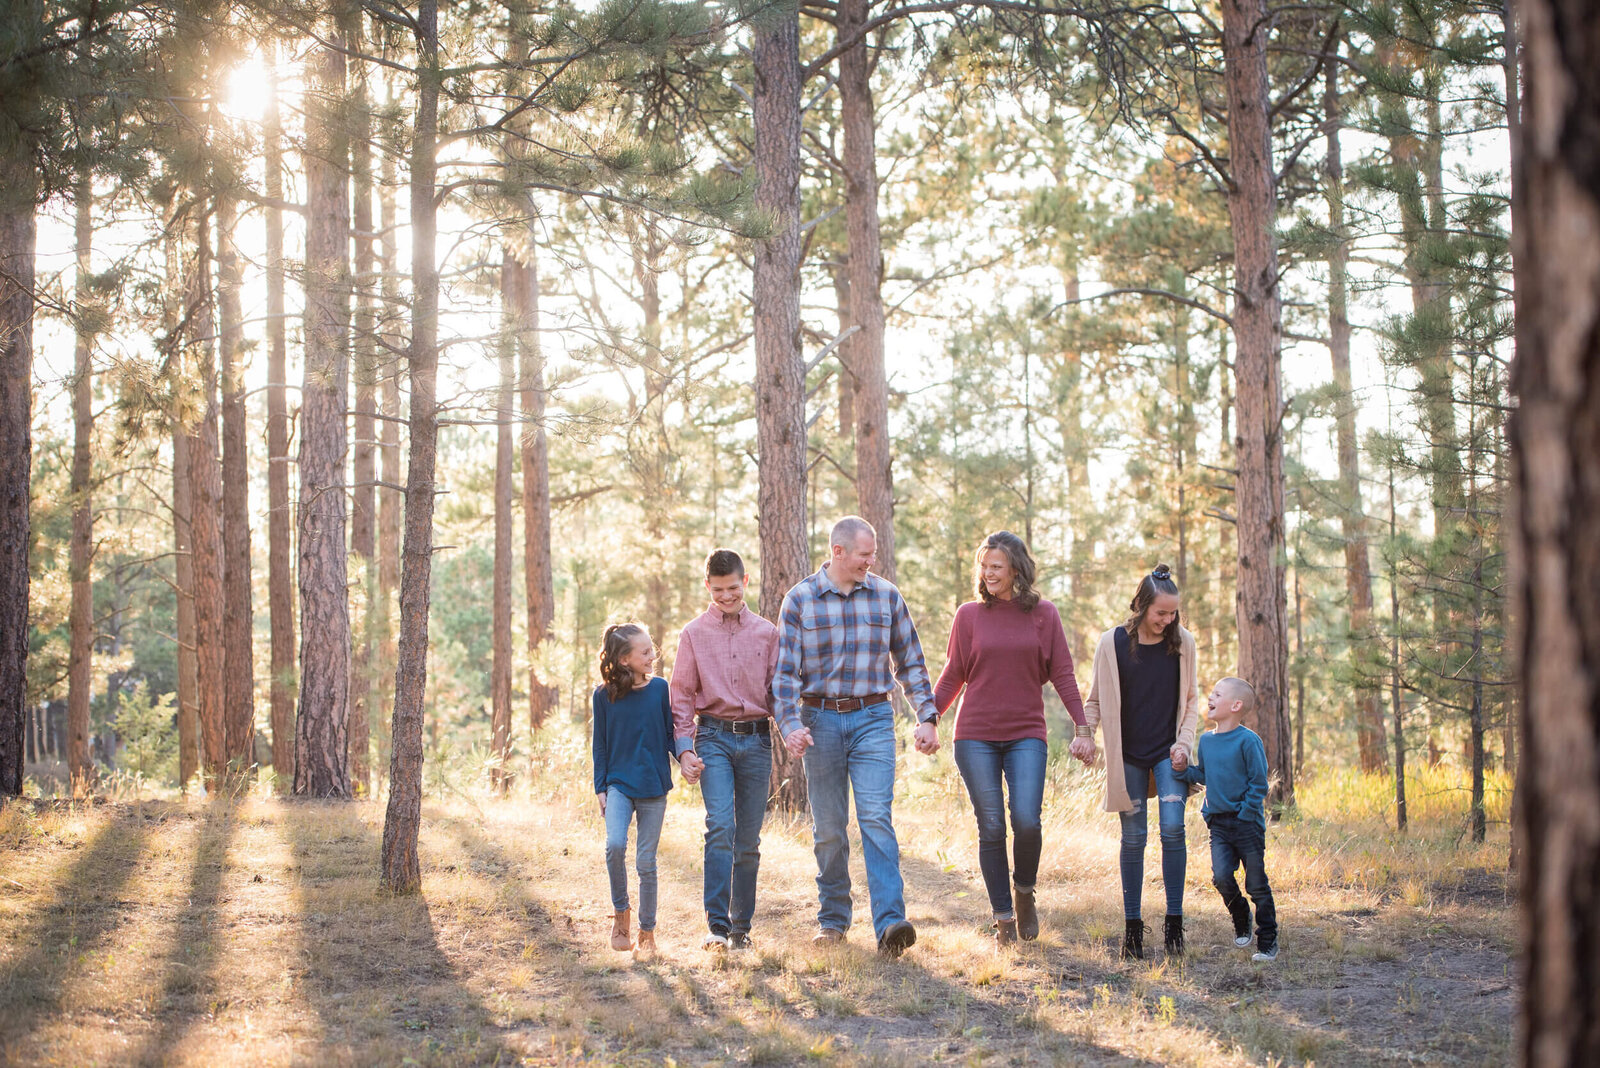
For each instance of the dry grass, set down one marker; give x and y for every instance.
(164, 932)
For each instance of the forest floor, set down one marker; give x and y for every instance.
(253, 931)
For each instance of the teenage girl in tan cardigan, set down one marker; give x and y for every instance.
(1145, 700)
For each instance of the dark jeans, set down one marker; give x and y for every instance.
(734, 785)
(1022, 763)
(1235, 841)
(1171, 793)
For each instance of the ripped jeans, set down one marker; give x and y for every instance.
(1171, 793)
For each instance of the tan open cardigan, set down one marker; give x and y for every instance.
(1103, 708)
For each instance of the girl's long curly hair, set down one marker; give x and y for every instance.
(1151, 586)
(619, 638)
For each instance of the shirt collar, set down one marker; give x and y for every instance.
(824, 580)
(715, 615)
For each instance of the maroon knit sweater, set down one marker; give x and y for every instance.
(1004, 657)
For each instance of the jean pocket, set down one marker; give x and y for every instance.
(766, 740)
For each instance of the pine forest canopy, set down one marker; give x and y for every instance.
(312, 302)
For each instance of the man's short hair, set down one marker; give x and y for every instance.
(847, 530)
(1242, 691)
(723, 562)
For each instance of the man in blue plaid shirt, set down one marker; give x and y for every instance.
(844, 637)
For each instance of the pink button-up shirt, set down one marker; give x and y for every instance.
(724, 668)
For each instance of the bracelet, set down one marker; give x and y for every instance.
(1082, 730)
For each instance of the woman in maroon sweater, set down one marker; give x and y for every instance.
(1004, 647)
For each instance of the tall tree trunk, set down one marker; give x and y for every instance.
(1252, 207)
(205, 520)
(239, 690)
(874, 474)
(280, 573)
(534, 456)
(18, 241)
(390, 501)
(505, 406)
(363, 511)
(402, 869)
(182, 524)
(81, 623)
(1555, 532)
(321, 761)
(1370, 741)
(780, 366)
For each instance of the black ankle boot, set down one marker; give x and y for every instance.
(1173, 933)
(1133, 940)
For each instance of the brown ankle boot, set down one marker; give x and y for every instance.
(1027, 913)
(646, 949)
(621, 930)
(1005, 933)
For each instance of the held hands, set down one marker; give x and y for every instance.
(798, 742)
(926, 737)
(1083, 749)
(691, 765)
(1180, 758)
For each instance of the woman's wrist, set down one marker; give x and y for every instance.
(1082, 730)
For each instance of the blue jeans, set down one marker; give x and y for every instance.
(734, 786)
(1022, 762)
(854, 752)
(1235, 841)
(1171, 793)
(619, 814)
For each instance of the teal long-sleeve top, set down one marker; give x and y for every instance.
(1232, 765)
(633, 741)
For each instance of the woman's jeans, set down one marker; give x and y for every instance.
(1171, 793)
(1022, 763)
(734, 785)
(619, 814)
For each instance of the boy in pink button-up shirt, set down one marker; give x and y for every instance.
(722, 718)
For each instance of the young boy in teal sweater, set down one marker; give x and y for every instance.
(1231, 762)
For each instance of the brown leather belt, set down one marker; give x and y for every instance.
(843, 704)
(736, 726)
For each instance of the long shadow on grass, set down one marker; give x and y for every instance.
(87, 907)
(189, 978)
(370, 962)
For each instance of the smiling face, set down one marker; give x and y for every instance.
(640, 657)
(727, 592)
(850, 563)
(1159, 616)
(999, 577)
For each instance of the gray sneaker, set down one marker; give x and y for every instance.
(717, 940)
(1266, 954)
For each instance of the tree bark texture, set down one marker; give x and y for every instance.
(401, 866)
(1371, 743)
(81, 621)
(322, 758)
(239, 689)
(534, 458)
(780, 365)
(1257, 325)
(205, 517)
(505, 407)
(390, 501)
(1555, 531)
(364, 468)
(18, 241)
(280, 569)
(874, 474)
(182, 530)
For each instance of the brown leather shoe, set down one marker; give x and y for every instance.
(1027, 913)
(646, 949)
(827, 936)
(621, 930)
(1005, 933)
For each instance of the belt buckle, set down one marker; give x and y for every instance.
(742, 726)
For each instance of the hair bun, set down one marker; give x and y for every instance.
(1162, 571)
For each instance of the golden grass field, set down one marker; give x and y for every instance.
(252, 931)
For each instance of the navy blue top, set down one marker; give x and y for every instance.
(633, 741)
(1149, 700)
(1233, 767)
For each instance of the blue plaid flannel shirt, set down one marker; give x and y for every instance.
(833, 645)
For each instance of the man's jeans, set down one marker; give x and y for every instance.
(734, 784)
(619, 814)
(1235, 841)
(854, 752)
(1022, 762)
(1171, 792)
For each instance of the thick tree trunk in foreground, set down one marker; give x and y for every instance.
(534, 456)
(780, 366)
(18, 240)
(81, 621)
(280, 572)
(874, 474)
(402, 868)
(364, 468)
(1370, 740)
(239, 687)
(500, 666)
(1555, 528)
(322, 758)
(1257, 326)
